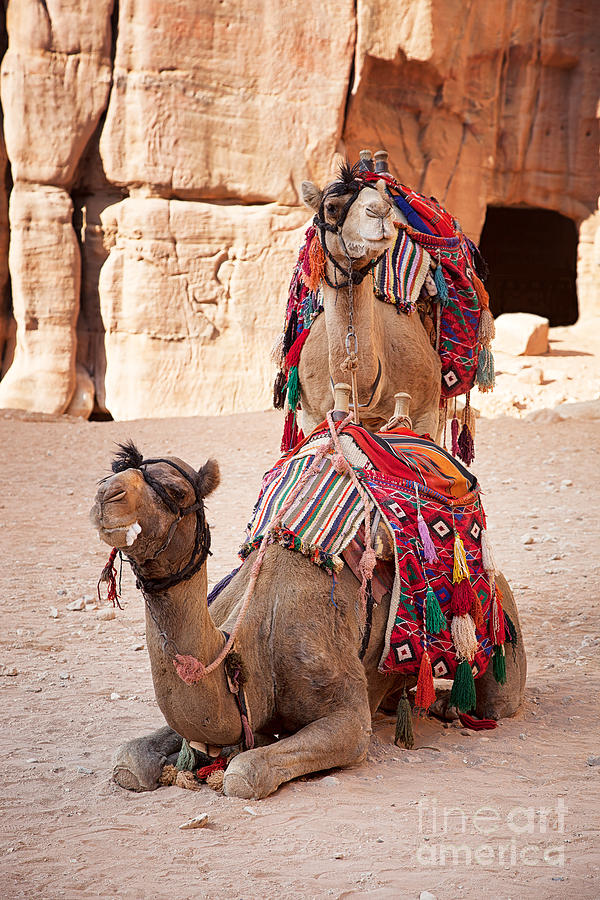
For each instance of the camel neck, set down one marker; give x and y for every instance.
(336, 305)
(178, 622)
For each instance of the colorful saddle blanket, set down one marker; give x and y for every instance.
(413, 484)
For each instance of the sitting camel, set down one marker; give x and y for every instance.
(355, 225)
(308, 695)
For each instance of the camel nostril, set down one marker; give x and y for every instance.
(117, 495)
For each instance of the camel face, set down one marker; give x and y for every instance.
(126, 514)
(367, 230)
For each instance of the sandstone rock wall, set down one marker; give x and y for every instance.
(157, 149)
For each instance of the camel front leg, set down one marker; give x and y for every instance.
(338, 739)
(137, 764)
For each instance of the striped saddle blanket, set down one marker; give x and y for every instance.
(412, 483)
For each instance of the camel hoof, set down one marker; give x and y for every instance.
(127, 780)
(235, 785)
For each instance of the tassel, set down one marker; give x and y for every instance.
(468, 416)
(279, 390)
(463, 695)
(464, 638)
(428, 545)
(486, 374)
(497, 624)
(109, 577)
(292, 435)
(290, 332)
(454, 435)
(499, 664)
(462, 598)
(487, 554)
(482, 294)
(440, 283)
(487, 327)
(511, 631)
(466, 446)
(316, 265)
(189, 669)
(476, 611)
(461, 569)
(277, 350)
(404, 728)
(186, 761)
(293, 388)
(425, 695)
(477, 724)
(435, 618)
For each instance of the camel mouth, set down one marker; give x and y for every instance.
(121, 536)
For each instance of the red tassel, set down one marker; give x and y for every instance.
(425, 694)
(466, 446)
(109, 577)
(497, 628)
(454, 434)
(476, 610)
(462, 598)
(293, 356)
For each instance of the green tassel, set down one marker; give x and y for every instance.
(293, 387)
(499, 665)
(486, 372)
(435, 618)
(186, 761)
(404, 728)
(440, 283)
(462, 694)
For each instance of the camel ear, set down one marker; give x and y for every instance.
(311, 195)
(381, 187)
(208, 477)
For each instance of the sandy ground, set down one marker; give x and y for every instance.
(403, 822)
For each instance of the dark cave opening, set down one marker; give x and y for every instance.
(532, 255)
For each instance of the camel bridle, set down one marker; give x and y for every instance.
(352, 276)
(201, 548)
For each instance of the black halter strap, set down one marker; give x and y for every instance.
(202, 538)
(352, 276)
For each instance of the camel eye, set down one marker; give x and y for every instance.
(177, 493)
(331, 209)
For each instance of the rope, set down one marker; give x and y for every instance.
(202, 670)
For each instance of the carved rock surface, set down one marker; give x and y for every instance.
(187, 300)
(521, 334)
(227, 99)
(206, 117)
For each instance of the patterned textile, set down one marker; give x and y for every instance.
(401, 273)
(322, 520)
(398, 503)
(406, 477)
(441, 236)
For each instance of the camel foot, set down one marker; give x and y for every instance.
(441, 708)
(137, 764)
(249, 777)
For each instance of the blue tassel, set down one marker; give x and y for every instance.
(440, 283)
(486, 373)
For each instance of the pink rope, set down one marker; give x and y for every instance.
(201, 670)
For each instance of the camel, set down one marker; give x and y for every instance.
(394, 351)
(309, 697)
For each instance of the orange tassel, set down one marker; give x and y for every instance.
(425, 695)
(316, 258)
(482, 294)
(476, 610)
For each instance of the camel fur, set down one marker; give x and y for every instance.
(399, 344)
(310, 698)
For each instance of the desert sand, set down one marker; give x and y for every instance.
(511, 813)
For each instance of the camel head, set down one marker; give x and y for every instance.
(355, 219)
(153, 510)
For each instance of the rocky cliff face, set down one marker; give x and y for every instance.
(155, 154)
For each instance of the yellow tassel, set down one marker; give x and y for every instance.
(464, 636)
(461, 569)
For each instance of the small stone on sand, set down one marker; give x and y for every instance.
(76, 605)
(105, 615)
(197, 822)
